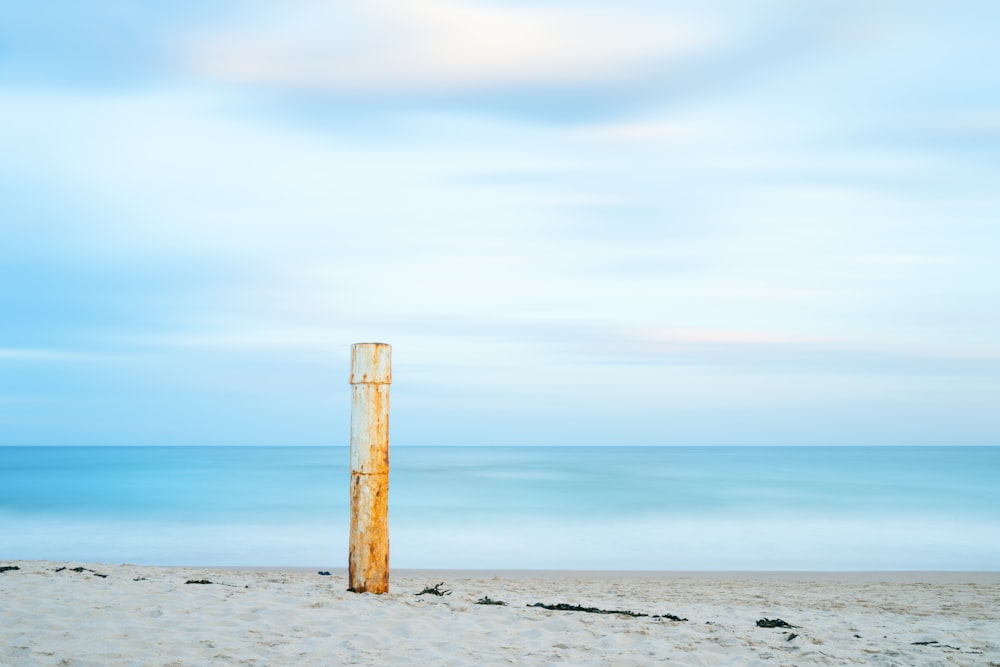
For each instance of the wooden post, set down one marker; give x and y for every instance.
(371, 374)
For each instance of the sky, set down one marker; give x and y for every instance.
(640, 222)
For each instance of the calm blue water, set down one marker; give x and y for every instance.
(675, 508)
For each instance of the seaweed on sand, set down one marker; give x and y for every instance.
(774, 623)
(435, 590)
(81, 569)
(487, 600)
(207, 582)
(594, 610)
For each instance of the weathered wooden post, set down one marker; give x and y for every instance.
(371, 374)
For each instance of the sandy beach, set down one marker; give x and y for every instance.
(65, 613)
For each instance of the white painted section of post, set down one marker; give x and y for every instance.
(368, 560)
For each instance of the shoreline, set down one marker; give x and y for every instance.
(121, 614)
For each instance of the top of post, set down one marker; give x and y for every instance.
(371, 363)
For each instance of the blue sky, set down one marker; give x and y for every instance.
(576, 222)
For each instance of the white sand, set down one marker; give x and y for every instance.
(140, 615)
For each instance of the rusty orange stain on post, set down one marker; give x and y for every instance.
(371, 375)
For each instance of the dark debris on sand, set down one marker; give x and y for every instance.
(487, 600)
(594, 610)
(774, 623)
(936, 644)
(8, 568)
(82, 569)
(207, 582)
(435, 590)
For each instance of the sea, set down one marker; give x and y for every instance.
(564, 508)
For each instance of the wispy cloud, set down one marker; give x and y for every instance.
(789, 351)
(53, 355)
(438, 46)
(644, 132)
(983, 124)
(894, 259)
(236, 338)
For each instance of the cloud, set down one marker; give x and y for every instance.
(440, 46)
(643, 132)
(42, 354)
(895, 259)
(233, 338)
(984, 124)
(786, 351)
